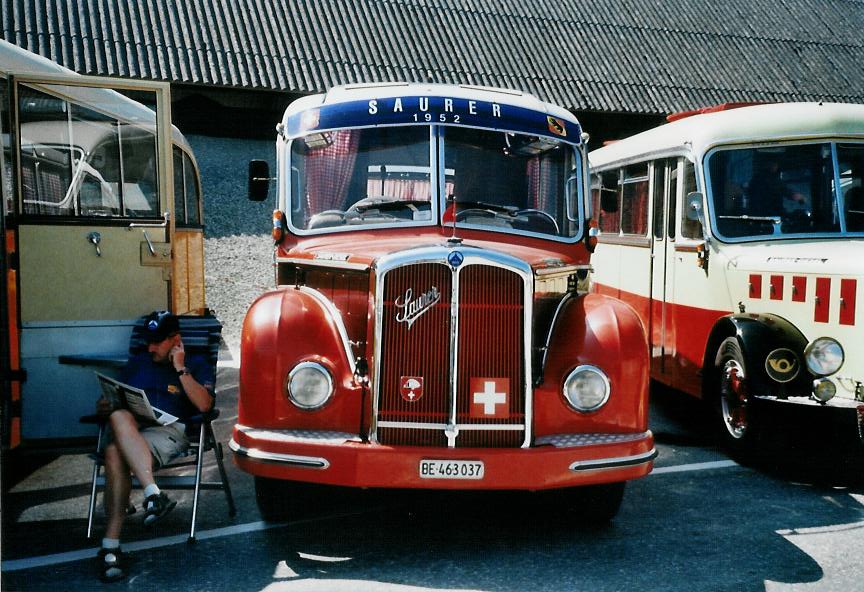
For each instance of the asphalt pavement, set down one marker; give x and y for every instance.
(700, 521)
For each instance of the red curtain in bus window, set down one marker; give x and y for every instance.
(544, 182)
(634, 214)
(406, 189)
(329, 171)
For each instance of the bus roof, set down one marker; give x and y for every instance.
(396, 103)
(15, 60)
(758, 123)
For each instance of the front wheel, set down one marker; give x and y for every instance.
(731, 400)
(279, 500)
(595, 505)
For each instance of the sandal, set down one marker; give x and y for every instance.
(111, 565)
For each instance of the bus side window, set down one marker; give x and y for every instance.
(689, 228)
(634, 200)
(179, 192)
(658, 196)
(608, 217)
(187, 194)
(193, 192)
(673, 198)
(79, 161)
(46, 166)
(6, 173)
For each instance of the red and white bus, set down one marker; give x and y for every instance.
(426, 329)
(738, 236)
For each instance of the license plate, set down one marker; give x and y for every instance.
(451, 469)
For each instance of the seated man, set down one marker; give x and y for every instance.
(175, 384)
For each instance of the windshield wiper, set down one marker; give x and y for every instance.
(483, 205)
(386, 202)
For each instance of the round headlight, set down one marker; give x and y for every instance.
(824, 389)
(309, 385)
(824, 356)
(586, 388)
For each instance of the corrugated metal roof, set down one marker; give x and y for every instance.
(638, 56)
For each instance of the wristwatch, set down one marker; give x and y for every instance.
(182, 371)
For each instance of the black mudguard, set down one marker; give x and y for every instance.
(759, 335)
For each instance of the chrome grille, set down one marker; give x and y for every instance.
(486, 303)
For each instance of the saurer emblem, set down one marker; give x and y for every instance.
(410, 308)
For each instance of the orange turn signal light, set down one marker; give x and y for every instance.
(278, 225)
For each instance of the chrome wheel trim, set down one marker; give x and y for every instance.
(732, 399)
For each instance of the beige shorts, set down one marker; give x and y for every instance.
(166, 442)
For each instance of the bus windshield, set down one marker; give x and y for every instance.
(784, 191)
(382, 176)
(511, 182)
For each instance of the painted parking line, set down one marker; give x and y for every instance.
(86, 554)
(703, 466)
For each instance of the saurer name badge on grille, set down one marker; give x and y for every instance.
(411, 388)
(490, 398)
(411, 307)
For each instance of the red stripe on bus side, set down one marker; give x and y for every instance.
(799, 288)
(776, 287)
(848, 290)
(823, 300)
(755, 285)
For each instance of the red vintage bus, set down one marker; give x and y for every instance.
(429, 328)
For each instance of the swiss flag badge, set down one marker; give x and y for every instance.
(411, 388)
(490, 398)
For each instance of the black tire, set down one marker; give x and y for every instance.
(278, 500)
(595, 505)
(731, 402)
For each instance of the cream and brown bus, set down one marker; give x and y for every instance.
(101, 222)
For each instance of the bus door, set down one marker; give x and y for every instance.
(661, 329)
(696, 298)
(92, 174)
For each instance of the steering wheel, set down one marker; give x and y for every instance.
(327, 218)
(797, 221)
(545, 215)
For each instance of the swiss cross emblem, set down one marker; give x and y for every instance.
(490, 398)
(411, 388)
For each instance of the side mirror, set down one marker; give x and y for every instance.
(608, 200)
(259, 180)
(695, 207)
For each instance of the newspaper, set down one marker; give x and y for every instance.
(124, 396)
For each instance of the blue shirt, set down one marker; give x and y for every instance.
(162, 384)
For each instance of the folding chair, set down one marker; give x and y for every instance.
(200, 335)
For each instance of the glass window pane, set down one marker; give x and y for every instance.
(509, 181)
(179, 194)
(673, 199)
(659, 196)
(851, 161)
(5, 139)
(773, 190)
(689, 228)
(193, 194)
(46, 171)
(95, 162)
(138, 150)
(86, 152)
(609, 218)
(634, 200)
(361, 177)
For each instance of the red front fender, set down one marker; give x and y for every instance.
(603, 332)
(283, 328)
